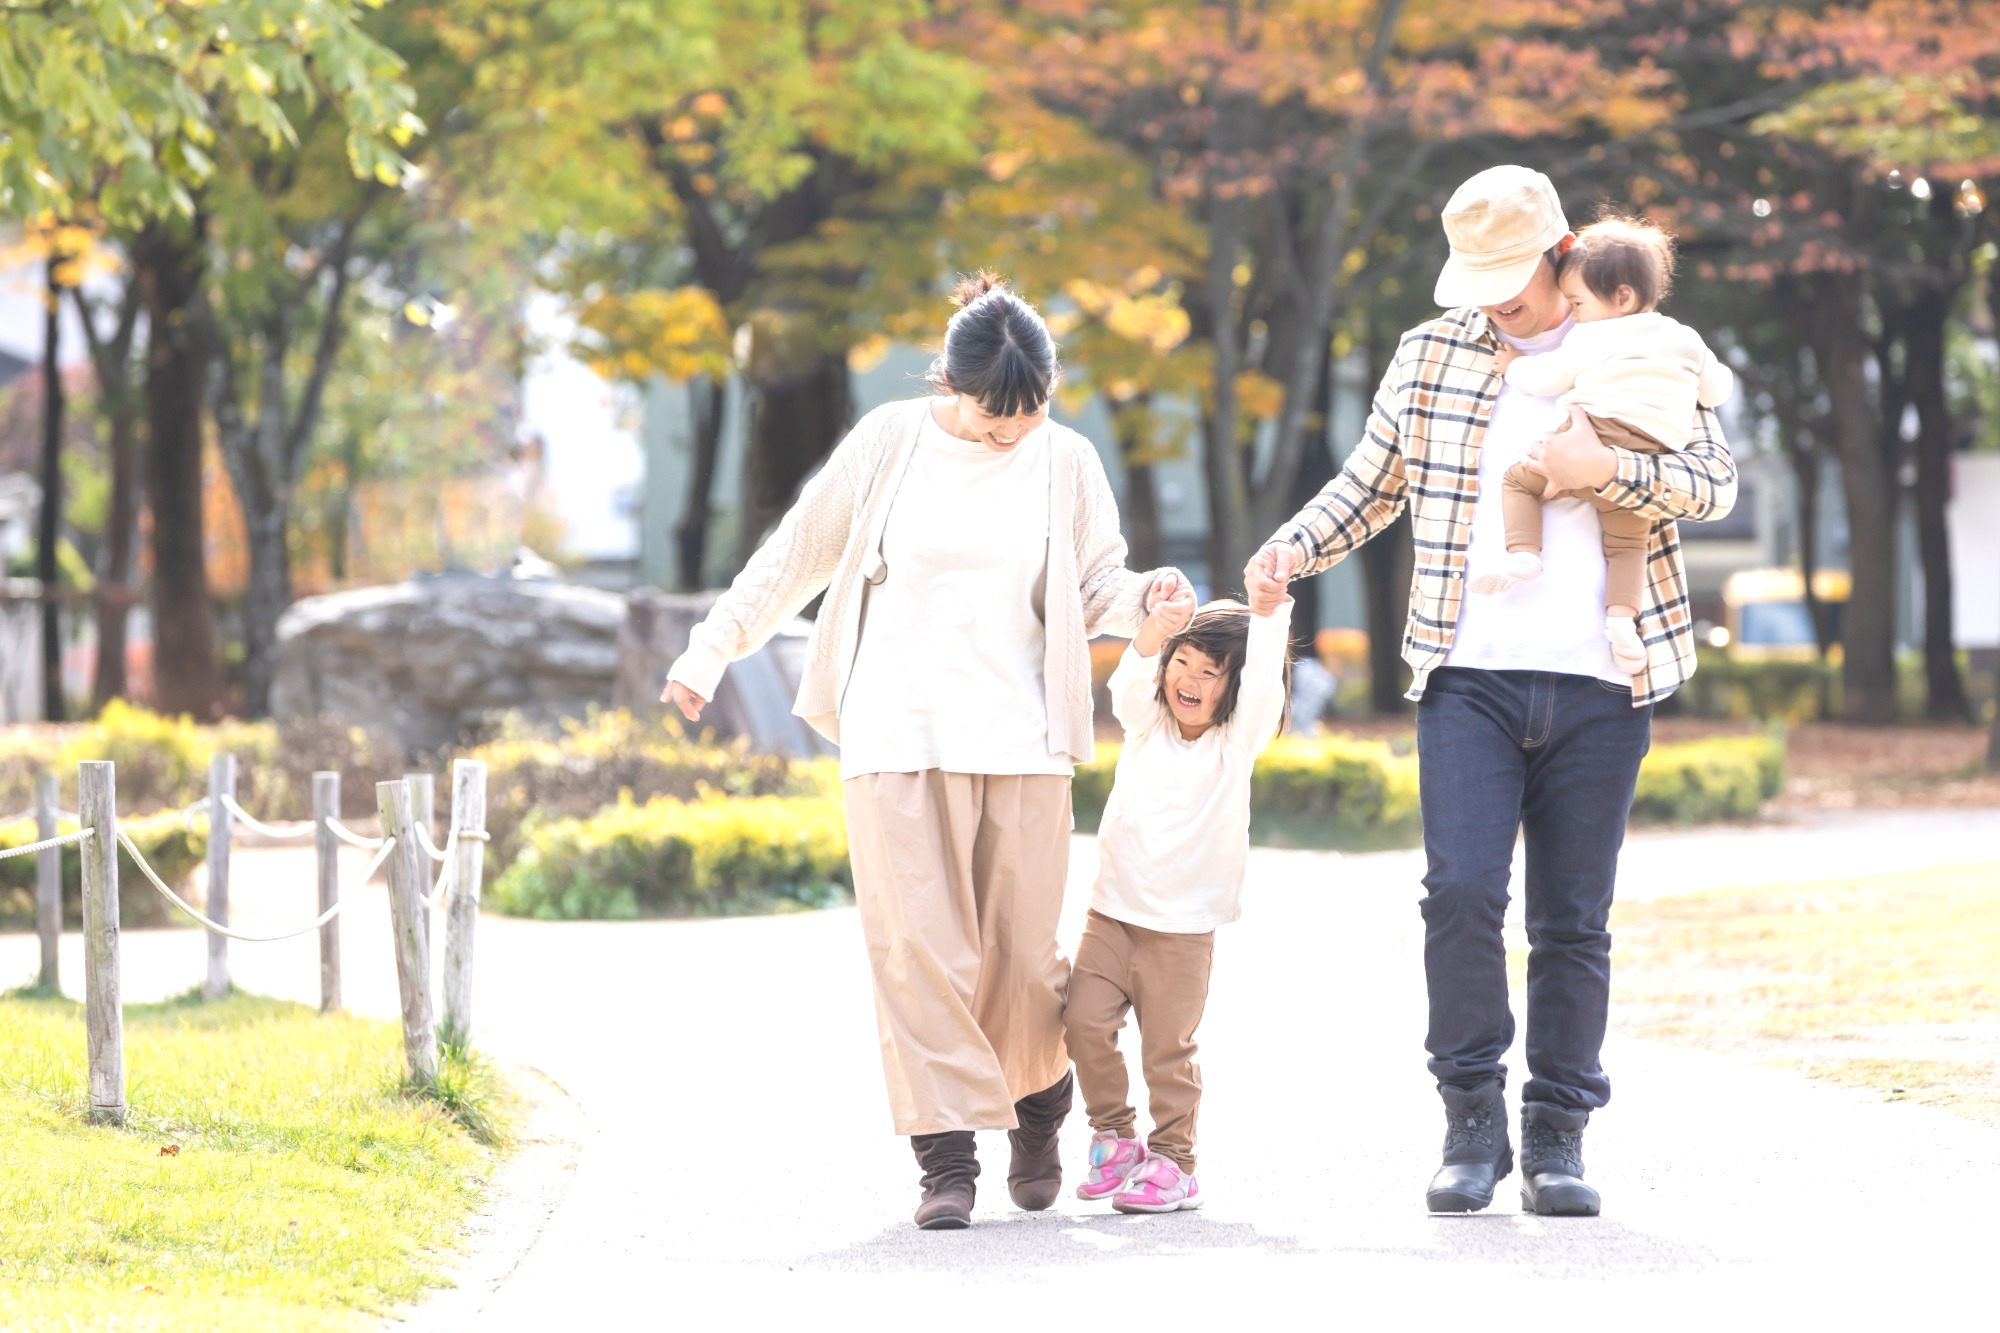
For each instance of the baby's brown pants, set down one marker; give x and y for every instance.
(1626, 531)
(1163, 980)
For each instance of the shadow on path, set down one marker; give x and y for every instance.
(1542, 1247)
(1042, 1240)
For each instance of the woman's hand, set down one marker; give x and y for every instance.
(1265, 577)
(1573, 458)
(685, 699)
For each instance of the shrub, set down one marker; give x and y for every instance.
(710, 857)
(174, 851)
(163, 761)
(1336, 789)
(1726, 687)
(1722, 777)
(592, 763)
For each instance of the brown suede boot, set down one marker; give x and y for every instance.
(1034, 1177)
(950, 1168)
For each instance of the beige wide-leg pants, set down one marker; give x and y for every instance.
(959, 877)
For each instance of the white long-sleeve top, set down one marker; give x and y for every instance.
(1647, 370)
(1176, 831)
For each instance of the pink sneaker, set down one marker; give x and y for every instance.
(1158, 1186)
(1112, 1162)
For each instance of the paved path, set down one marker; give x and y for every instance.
(738, 1170)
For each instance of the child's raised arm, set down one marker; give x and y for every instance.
(1546, 374)
(1135, 682)
(1260, 694)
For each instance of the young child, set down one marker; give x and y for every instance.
(1196, 705)
(1639, 375)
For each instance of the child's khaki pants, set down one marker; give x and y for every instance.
(1626, 531)
(1163, 980)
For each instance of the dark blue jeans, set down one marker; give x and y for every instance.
(1555, 757)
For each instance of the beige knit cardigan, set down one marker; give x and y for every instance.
(832, 539)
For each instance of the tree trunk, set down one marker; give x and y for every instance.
(49, 533)
(1132, 422)
(1231, 542)
(1831, 316)
(706, 400)
(1924, 368)
(120, 404)
(795, 420)
(343, 508)
(171, 259)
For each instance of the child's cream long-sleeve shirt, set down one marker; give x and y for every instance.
(1176, 830)
(1648, 370)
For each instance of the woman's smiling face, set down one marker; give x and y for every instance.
(1195, 683)
(997, 433)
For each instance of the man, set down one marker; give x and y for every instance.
(1524, 722)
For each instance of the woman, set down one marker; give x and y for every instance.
(969, 550)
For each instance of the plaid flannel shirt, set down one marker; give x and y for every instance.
(1421, 449)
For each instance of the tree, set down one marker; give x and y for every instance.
(112, 109)
(711, 135)
(1301, 132)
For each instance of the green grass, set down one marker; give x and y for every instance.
(306, 1193)
(1846, 980)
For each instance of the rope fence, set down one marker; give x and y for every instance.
(404, 847)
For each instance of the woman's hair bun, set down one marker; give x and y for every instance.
(972, 286)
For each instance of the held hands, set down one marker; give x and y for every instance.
(1170, 609)
(1170, 603)
(685, 699)
(1265, 577)
(1573, 458)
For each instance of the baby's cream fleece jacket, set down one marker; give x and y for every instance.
(1648, 370)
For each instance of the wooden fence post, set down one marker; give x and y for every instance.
(104, 1018)
(221, 790)
(48, 883)
(406, 865)
(423, 809)
(461, 903)
(326, 857)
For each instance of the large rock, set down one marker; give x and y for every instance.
(435, 657)
(756, 695)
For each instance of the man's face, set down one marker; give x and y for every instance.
(1539, 308)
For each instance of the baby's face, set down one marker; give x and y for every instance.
(1588, 306)
(1195, 684)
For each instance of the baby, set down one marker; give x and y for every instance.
(1639, 375)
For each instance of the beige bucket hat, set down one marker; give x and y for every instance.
(1499, 224)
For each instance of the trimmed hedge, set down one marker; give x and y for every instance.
(593, 763)
(712, 857)
(1337, 789)
(1340, 790)
(1723, 777)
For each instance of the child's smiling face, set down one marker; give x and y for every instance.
(1195, 683)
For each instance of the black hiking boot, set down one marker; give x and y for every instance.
(1552, 1162)
(950, 1168)
(1034, 1176)
(1476, 1151)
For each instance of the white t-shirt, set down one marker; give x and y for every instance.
(1176, 830)
(949, 669)
(1554, 622)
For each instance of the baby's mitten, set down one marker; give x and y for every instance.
(1627, 649)
(1519, 568)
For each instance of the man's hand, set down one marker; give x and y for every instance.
(1265, 577)
(685, 699)
(1573, 458)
